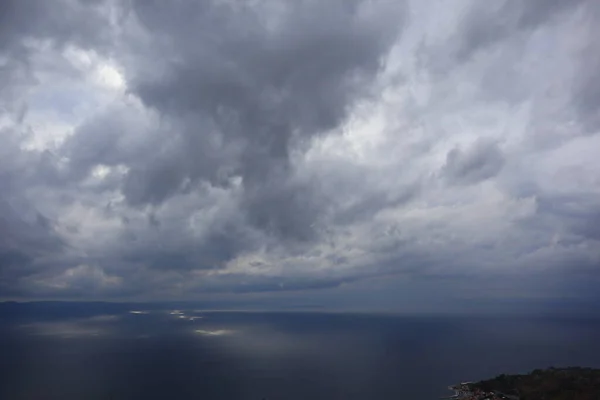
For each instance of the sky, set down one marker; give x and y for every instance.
(382, 154)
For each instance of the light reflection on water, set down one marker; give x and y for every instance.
(217, 332)
(100, 325)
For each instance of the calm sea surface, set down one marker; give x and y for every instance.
(191, 354)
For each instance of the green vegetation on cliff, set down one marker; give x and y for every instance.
(550, 384)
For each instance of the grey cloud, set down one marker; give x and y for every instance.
(587, 96)
(24, 232)
(579, 213)
(586, 88)
(364, 207)
(212, 252)
(482, 160)
(25, 237)
(512, 24)
(64, 21)
(283, 208)
(503, 26)
(58, 23)
(154, 183)
(489, 23)
(279, 285)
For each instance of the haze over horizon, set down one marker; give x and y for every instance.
(382, 155)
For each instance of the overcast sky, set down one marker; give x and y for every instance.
(380, 153)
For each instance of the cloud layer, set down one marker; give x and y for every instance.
(160, 150)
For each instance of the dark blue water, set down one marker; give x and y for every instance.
(228, 355)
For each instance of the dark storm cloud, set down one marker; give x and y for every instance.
(482, 160)
(167, 149)
(265, 83)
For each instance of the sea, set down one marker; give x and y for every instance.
(110, 352)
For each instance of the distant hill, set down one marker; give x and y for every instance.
(550, 384)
